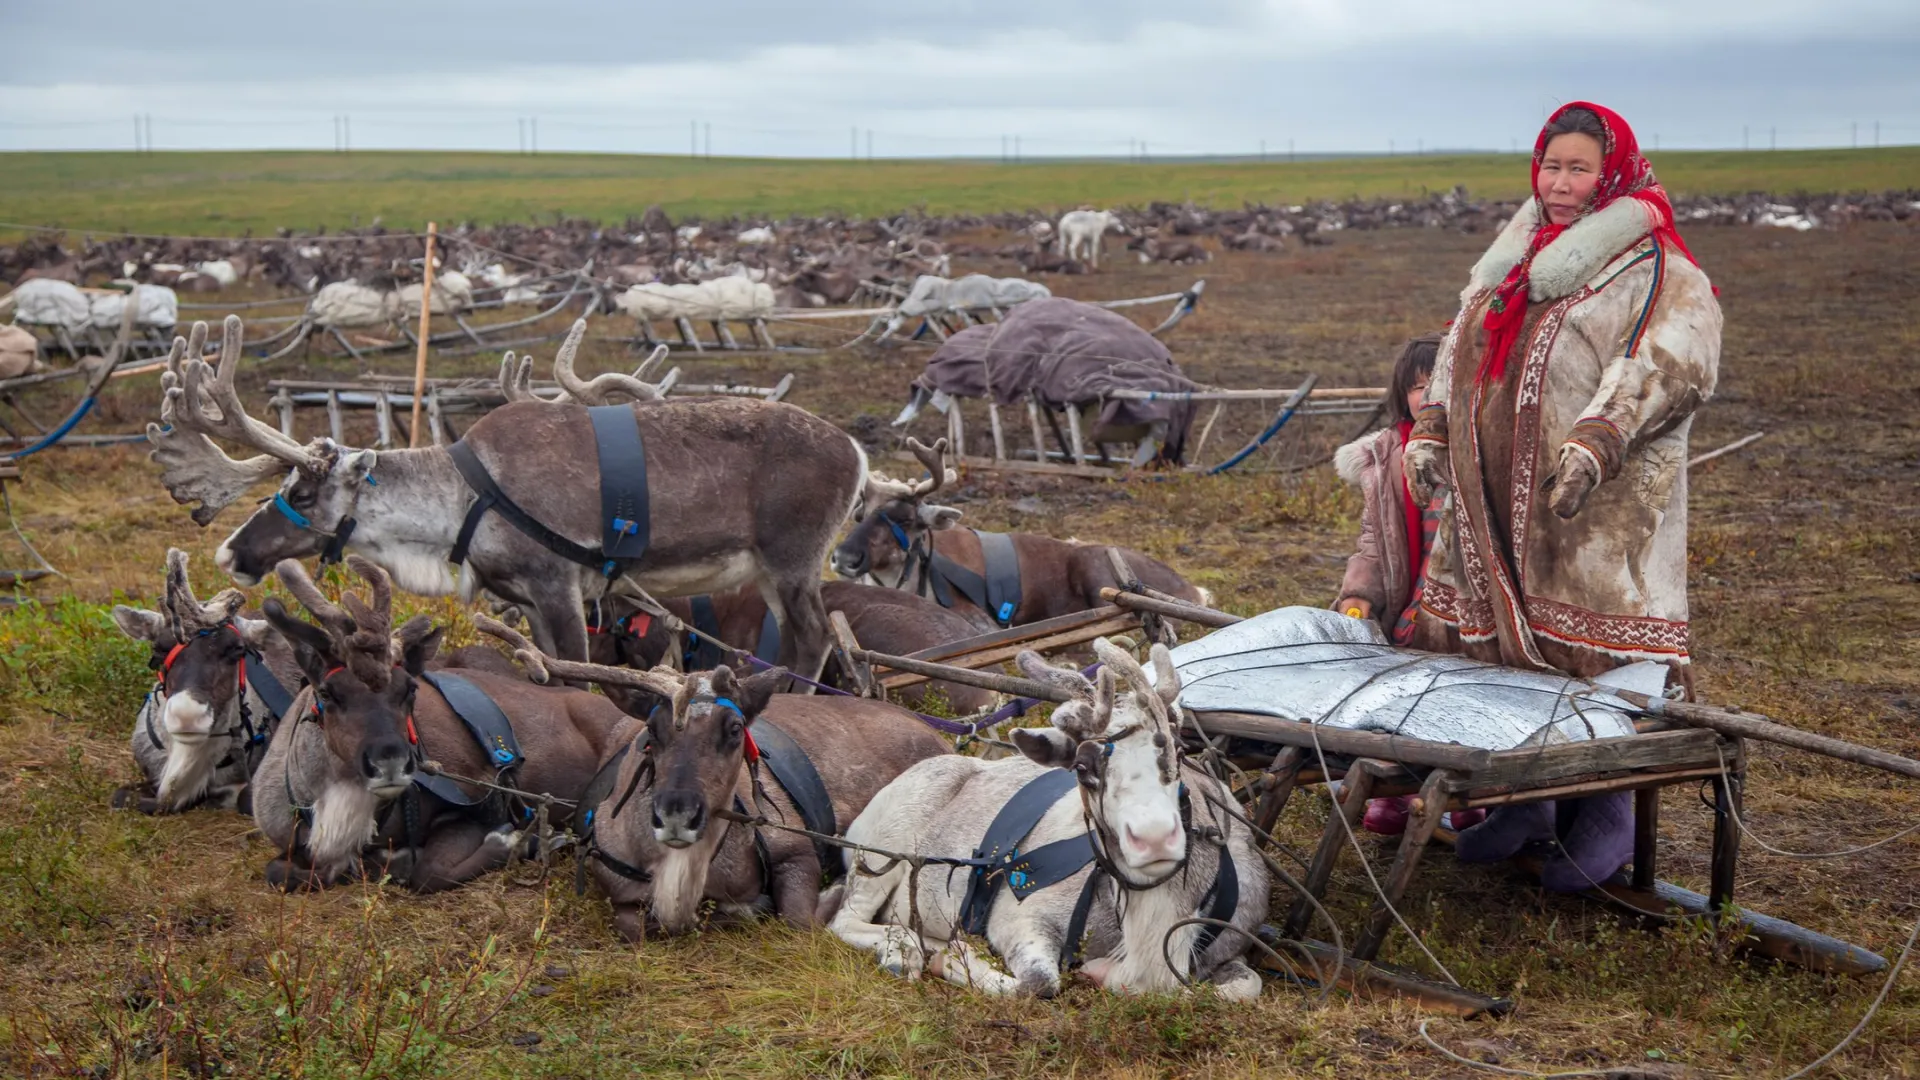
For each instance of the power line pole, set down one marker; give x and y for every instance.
(1289, 149)
(853, 142)
(1856, 134)
(1773, 138)
(1263, 151)
(1745, 144)
(693, 138)
(346, 131)
(520, 129)
(706, 127)
(1876, 134)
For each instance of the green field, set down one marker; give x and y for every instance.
(229, 193)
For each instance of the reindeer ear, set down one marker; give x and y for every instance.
(419, 641)
(312, 648)
(255, 633)
(1047, 746)
(139, 623)
(754, 693)
(938, 518)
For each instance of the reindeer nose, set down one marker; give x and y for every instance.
(1154, 844)
(849, 563)
(387, 760)
(678, 817)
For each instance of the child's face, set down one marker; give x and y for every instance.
(1417, 395)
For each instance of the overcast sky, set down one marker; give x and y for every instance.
(777, 77)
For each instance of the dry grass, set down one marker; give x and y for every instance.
(150, 947)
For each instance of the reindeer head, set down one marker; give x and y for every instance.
(361, 674)
(323, 481)
(894, 518)
(1118, 737)
(697, 755)
(198, 649)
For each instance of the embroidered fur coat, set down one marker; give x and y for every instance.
(1566, 542)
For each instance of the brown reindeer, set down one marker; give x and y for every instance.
(884, 620)
(347, 767)
(740, 491)
(903, 541)
(657, 844)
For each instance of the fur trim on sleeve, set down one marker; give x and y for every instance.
(1507, 248)
(1588, 246)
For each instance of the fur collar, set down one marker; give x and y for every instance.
(1573, 258)
(1352, 461)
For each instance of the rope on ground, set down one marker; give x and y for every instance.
(1740, 821)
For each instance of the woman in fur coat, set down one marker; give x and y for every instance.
(1557, 419)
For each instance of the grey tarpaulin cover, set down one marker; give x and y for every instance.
(1072, 353)
(1318, 666)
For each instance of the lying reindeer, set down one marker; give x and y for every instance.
(650, 816)
(221, 683)
(905, 542)
(351, 796)
(884, 620)
(1146, 845)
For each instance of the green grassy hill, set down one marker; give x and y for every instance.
(228, 193)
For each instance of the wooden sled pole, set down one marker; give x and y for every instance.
(1177, 609)
(426, 318)
(1754, 726)
(1370, 980)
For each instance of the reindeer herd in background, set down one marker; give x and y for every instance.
(364, 754)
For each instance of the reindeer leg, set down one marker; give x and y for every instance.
(796, 891)
(804, 633)
(458, 852)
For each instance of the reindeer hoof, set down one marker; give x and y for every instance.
(243, 801)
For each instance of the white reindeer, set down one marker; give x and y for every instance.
(1082, 231)
(1154, 822)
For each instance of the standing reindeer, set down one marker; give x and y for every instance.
(739, 492)
(905, 542)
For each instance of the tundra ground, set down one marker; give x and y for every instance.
(151, 947)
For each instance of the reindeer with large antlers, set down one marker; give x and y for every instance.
(904, 541)
(656, 838)
(348, 786)
(740, 492)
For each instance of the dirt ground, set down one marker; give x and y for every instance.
(153, 947)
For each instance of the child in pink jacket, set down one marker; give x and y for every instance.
(1384, 577)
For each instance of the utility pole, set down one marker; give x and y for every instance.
(520, 128)
(1876, 133)
(1003, 149)
(1389, 147)
(346, 131)
(1420, 146)
(1745, 144)
(706, 129)
(1289, 149)
(1773, 138)
(1856, 134)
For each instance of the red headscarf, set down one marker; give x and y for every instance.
(1624, 173)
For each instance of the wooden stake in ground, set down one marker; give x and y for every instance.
(426, 316)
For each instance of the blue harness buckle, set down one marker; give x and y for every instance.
(286, 509)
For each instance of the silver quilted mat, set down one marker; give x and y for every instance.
(1318, 666)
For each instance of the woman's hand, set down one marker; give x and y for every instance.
(1573, 481)
(1354, 606)
(1428, 468)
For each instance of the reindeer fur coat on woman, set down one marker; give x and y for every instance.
(1621, 345)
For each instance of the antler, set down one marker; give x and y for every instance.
(202, 386)
(543, 668)
(188, 614)
(365, 647)
(516, 378)
(600, 389)
(881, 488)
(192, 467)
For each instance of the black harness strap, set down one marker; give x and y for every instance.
(1221, 901)
(702, 653)
(997, 592)
(266, 686)
(767, 650)
(794, 771)
(1023, 872)
(490, 497)
(624, 516)
(488, 726)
